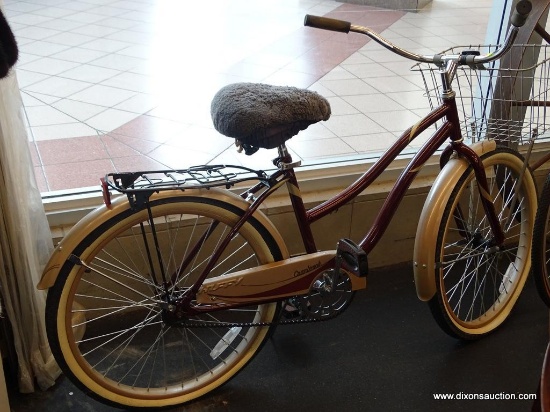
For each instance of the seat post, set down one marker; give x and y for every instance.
(284, 161)
(283, 152)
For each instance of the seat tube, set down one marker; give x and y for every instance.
(300, 212)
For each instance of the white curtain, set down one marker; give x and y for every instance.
(25, 245)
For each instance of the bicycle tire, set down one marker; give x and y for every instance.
(477, 284)
(540, 251)
(128, 356)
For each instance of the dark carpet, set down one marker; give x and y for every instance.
(385, 353)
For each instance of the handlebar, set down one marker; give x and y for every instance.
(518, 19)
(523, 8)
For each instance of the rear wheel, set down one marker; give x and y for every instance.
(478, 282)
(107, 322)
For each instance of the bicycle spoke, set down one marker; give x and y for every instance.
(478, 279)
(120, 321)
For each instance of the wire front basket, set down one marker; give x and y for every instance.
(508, 105)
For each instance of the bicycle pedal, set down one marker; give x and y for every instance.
(351, 258)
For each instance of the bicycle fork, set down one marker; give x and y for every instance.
(474, 160)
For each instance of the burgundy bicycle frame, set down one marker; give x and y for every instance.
(450, 129)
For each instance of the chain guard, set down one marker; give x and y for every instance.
(327, 299)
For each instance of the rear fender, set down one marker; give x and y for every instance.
(102, 214)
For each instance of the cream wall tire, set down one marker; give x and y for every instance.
(477, 283)
(128, 355)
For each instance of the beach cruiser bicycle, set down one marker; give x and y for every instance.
(164, 293)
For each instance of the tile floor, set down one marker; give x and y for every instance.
(126, 84)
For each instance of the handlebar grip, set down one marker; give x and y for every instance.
(523, 8)
(326, 23)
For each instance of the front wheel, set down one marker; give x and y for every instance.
(478, 281)
(108, 322)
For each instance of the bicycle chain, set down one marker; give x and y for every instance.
(198, 324)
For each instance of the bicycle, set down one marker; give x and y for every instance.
(165, 293)
(540, 249)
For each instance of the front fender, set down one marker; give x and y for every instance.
(430, 219)
(100, 215)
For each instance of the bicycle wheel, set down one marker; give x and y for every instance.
(478, 283)
(541, 252)
(105, 318)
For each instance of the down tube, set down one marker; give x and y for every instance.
(403, 183)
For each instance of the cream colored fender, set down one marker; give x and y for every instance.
(121, 204)
(428, 226)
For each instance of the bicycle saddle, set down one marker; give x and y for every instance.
(261, 115)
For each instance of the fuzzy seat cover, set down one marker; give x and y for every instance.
(262, 115)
